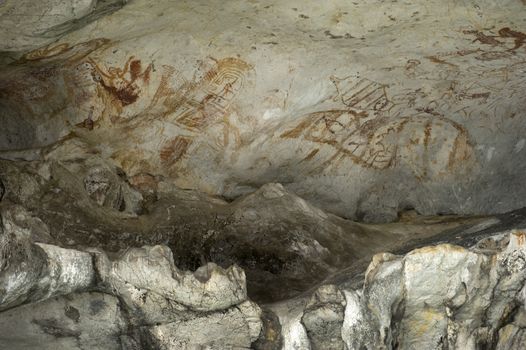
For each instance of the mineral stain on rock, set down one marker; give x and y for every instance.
(72, 313)
(355, 182)
(96, 306)
(54, 328)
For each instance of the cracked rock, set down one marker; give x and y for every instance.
(323, 318)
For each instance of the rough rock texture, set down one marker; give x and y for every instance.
(38, 271)
(76, 321)
(147, 301)
(512, 336)
(435, 297)
(183, 174)
(440, 297)
(301, 261)
(284, 244)
(27, 24)
(22, 22)
(227, 96)
(323, 318)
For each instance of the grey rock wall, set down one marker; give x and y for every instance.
(435, 297)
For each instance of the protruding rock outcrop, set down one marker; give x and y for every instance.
(284, 244)
(432, 297)
(35, 271)
(323, 318)
(156, 305)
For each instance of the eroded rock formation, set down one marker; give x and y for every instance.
(432, 298)
(262, 174)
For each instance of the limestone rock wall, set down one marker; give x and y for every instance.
(138, 301)
(435, 297)
(441, 297)
(364, 109)
(183, 174)
(283, 243)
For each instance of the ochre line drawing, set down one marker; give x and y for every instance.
(429, 146)
(491, 47)
(122, 83)
(504, 36)
(363, 94)
(209, 99)
(174, 149)
(200, 103)
(66, 52)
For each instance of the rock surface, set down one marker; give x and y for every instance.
(184, 174)
(441, 297)
(76, 321)
(284, 244)
(434, 297)
(147, 302)
(297, 93)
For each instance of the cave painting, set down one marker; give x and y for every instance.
(174, 149)
(129, 89)
(429, 146)
(492, 63)
(369, 130)
(207, 98)
(363, 94)
(485, 46)
(201, 103)
(504, 38)
(123, 84)
(379, 131)
(40, 80)
(65, 51)
(216, 92)
(192, 104)
(119, 86)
